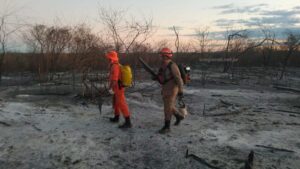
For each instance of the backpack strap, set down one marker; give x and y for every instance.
(165, 73)
(169, 67)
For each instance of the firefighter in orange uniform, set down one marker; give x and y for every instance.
(118, 91)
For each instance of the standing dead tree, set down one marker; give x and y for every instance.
(267, 51)
(3, 40)
(202, 35)
(35, 40)
(175, 29)
(237, 45)
(50, 43)
(57, 41)
(85, 50)
(202, 38)
(268, 48)
(291, 45)
(123, 32)
(7, 29)
(233, 43)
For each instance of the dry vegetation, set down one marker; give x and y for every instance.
(65, 65)
(77, 50)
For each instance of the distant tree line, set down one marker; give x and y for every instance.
(78, 49)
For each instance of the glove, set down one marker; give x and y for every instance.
(110, 91)
(154, 78)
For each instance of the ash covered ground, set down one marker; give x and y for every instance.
(227, 119)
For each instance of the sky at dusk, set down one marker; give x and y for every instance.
(187, 15)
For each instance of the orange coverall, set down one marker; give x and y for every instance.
(119, 100)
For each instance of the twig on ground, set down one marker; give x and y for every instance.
(216, 95)
(293, 124)
(286, 111)
(5, 124)
(228, 114)
(275, 149)
(34, 126)
(226, 103)
(220, 105)
(76, 161)
(287, 89)
(201, 160)
(224, 114)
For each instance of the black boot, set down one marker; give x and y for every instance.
(114, 119)
(166, 128)
(127, 123)
(178, 119)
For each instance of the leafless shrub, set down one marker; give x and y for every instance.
(8, 27)
(50, 43)
(177, 42)
(268, 48)
(85, 48)
(237, 45)
(125, 32)
(202, 37)
(291, 45)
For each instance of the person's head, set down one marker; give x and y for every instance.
(166, 54)
(112, 56)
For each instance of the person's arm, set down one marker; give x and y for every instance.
(177, 77)
(157, 78)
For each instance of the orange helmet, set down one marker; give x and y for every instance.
(112, 55)
(166, 52)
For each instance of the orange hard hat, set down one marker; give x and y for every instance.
(166, 52)
(112, 55)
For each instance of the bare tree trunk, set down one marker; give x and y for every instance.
(1, 65)
(285, 62)
(177, 39)
(226, 56)
(293, 43)
(73, 79)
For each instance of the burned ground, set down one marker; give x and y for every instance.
(227, 119)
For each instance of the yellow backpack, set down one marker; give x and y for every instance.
(126, 75)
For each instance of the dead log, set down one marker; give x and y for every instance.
(287, 111)
(275, 149)
(236, 112)
(76, 161)
(287, 89)
(224, 114)
(5, 124)
(293, 124)
(36, 128)
(216, 95)
(201, 160)
(33, 126)
(220, 105)
(226, 103)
